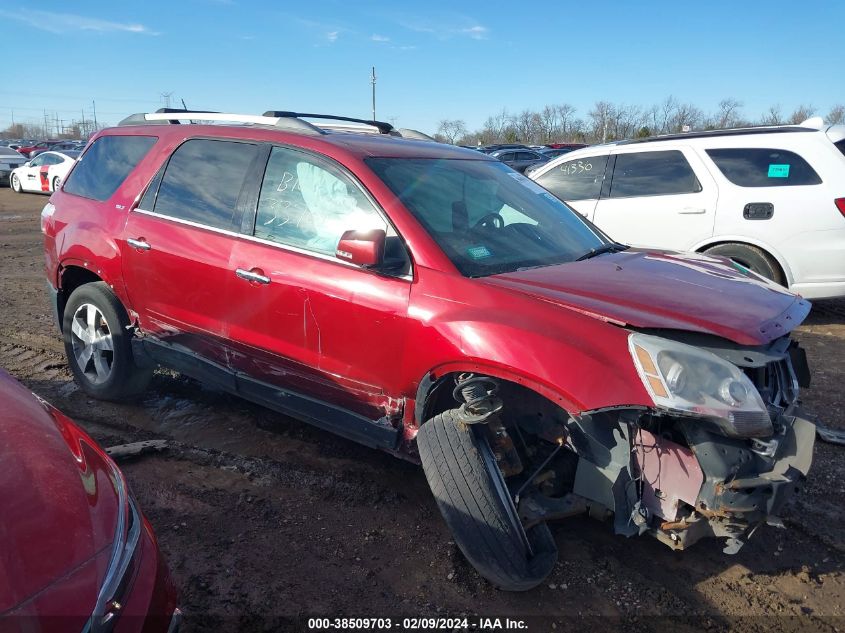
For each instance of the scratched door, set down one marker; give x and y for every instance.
(301, 318)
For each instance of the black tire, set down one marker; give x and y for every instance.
(57, 182)
(477, 507)
(753, 258)
(123, 378)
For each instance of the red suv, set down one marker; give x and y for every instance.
(431, 302)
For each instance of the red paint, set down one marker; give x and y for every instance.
(56, 483)
(364, 248)
(365, 341)
(43, 174)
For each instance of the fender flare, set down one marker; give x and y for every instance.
(434, 376)
(745, 239)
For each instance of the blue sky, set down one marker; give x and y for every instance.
(434, 60)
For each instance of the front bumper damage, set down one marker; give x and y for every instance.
(681, 491)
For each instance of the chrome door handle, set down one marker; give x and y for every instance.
(692, 211)
(140, 244)
(251, 276)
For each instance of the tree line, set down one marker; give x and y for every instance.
(609, 121)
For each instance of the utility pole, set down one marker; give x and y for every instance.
(373, 79)
(94, 105)
(83, 127)
(166, 96)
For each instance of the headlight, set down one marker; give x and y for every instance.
(688, 380)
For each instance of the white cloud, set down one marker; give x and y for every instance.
(476, 32)
(379, 38)
(68, 22)
(331, 36)
(446, 27)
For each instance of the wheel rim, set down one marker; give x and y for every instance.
(56, 184)
(15, 182)
(92, 342)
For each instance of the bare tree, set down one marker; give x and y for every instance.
(600, 119)
(452, 129)
(686, 115)
(565, 114)
(772, 116)
(836, 115)
(729, 113)
(802, 113)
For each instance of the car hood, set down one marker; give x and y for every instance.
(667, 290)
(58, 503)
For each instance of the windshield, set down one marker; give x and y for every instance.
(487, 218)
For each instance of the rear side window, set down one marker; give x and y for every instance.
(106, 164)
(752, 167)
(652, 174)
(577, 179)
(203, 180)
(841, 146)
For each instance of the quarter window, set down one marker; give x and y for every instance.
(106, 164)
(203, 180)
(307, 203)
(753, 167)
(577, 179)
(652, 174)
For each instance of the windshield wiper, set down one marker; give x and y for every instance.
(611, 247)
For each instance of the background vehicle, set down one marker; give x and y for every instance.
(520, 159)
(433, 303)
(9, 160)
(34, 149)
(76, 550)
(771, 199)
(44, 173)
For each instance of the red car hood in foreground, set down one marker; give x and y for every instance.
(658, 289)
(58, 504)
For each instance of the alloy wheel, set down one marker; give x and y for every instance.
(93, 345)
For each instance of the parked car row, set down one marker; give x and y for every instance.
(31, 149)
(431, 302)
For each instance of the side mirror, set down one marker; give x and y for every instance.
(27, 163)
(364, 248)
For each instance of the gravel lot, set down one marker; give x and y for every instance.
(264, 519)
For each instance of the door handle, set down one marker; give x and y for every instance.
(141, 244)
(254, 275)
(692, 211)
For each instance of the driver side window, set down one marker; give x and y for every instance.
(308, 203)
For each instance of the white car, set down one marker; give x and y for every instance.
(772, 199)
(44, 173)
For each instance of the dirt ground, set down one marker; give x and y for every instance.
(264, 519)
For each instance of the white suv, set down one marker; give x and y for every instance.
(772, 199)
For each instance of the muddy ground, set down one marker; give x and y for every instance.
(263, 518)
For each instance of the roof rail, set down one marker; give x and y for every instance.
(384, 128)
(736, 131)
(174, 116)
(283, 119)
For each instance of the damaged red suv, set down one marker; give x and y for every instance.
(431, 302)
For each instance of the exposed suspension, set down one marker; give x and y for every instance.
(478, 397)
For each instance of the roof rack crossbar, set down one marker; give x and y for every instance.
(383, 127)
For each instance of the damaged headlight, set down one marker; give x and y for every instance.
(688, 380)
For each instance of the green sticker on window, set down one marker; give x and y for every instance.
(479, 252)
(778, 171)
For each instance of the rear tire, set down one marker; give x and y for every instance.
(99, 345)
(15, 183)
(473, 499)
(753, 258)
